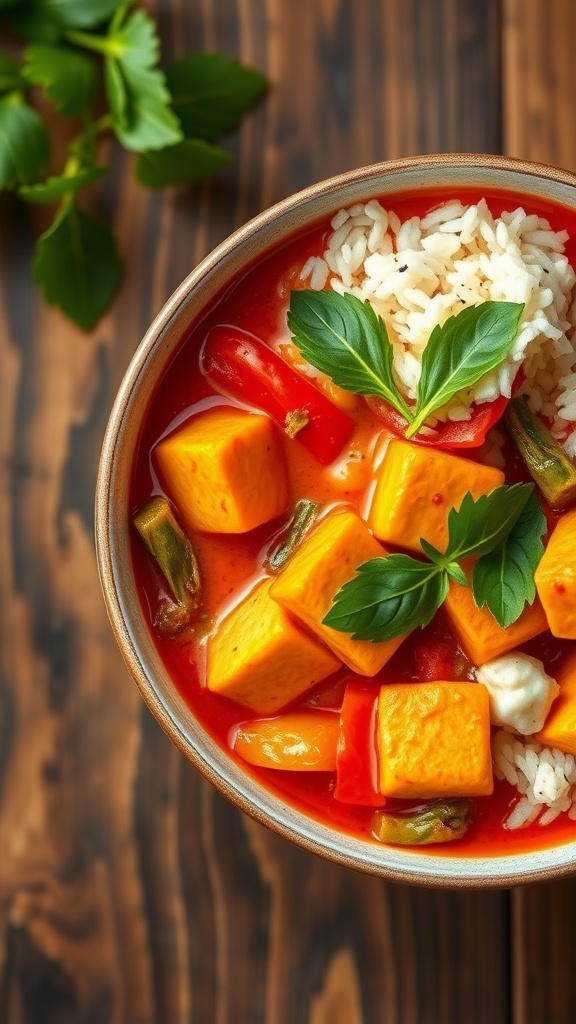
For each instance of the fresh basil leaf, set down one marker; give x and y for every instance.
(188, 161)
(77, 266)
(77, 13)
(503, 580)
(136, 89)
(461, 351)
(10, 77)
(452, 568)
(432, 553)
(457, 574)
(211, 93)
(67, 77)
(479, 525)
(24, 143)
(61, 185)
(346, 339)
(388, 598)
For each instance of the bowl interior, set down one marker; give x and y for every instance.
(183, 309)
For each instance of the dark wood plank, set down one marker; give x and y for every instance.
(544, 983)
(538, 75)
(539, 100)
(130, 892)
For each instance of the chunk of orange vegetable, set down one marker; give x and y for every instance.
(434, 740)
(302, 741)
(478, 631)
(560, 725)
(225, 471)
(555, 578)
(259, 658)
(326, 560)
(416, 489)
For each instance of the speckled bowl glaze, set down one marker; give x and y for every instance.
(187, 303)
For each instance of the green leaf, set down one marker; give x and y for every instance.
(388, 598)
(6, 4)
(10, 77)
(481, 524)
(461, 351)
(78, 13)
(24, 143)
(67, 77)
(432, 553)
(346, 339)
(503, 580)
(77, 266)
(188, 161)
(211, 93)
(139, 100)
(61, 185)
(457, 574)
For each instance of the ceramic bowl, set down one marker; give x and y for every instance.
(112, 514)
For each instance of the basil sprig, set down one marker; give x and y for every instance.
(392, 595)
(345, 338)
(98, 61)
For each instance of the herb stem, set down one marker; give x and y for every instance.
(100, 44)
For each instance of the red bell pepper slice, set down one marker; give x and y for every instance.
(440, 658)
(356, 757)
(458, 434)
(239, 365)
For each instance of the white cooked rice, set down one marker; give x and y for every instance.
(544, 776)
(418, 273)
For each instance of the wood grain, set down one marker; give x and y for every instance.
(130, 893)
(538, 78)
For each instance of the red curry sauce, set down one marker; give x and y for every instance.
(230, 565)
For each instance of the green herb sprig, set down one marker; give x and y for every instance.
(346, 339)
(77, 51)
(391, 596)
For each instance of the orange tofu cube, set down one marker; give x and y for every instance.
(326, 560)
(556, 578)
(259, 658)
(225, 471)
(434, 740)
(417, 487)
(560, 726)
(479, 633)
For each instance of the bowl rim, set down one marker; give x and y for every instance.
(305, 831)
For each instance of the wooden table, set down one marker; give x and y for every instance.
(129, 890)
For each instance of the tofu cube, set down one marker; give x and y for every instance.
(225, 471)
(560, 725)
(259, 658)
(556, 578)
(479, 633)
(417, 487)
(326, 560)
(434, 740)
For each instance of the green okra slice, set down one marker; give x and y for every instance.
(440, 821)
(545, 459)
(304, 515)
(174, 555)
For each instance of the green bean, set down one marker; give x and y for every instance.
(440, 821)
